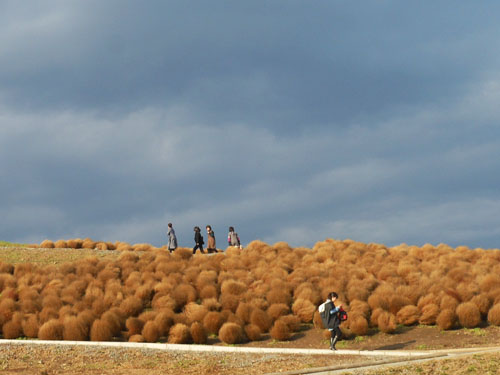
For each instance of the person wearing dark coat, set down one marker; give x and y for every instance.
(198, 239)
(172, 239)
(211, 247)
(330, 317)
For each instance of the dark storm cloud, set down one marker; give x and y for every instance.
(291, 121)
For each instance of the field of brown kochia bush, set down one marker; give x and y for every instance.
(150, 295)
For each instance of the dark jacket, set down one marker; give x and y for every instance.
(198, 238)
(329, 314)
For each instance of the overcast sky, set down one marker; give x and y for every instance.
(292, 121)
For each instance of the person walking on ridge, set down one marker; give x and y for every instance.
(198, 239)
(172, 239)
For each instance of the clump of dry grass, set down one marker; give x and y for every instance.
(494, 315)
(198, 333)
(253, 332)
(150, 332)
(75, 328)
(261, 319)
(231, 333)
(468, 315)
(100, 331)
(51, 330)
(213, 322)
(280, 331)
(408, 315)
(179, 334)
(358, 325)
(429, 314)
(304, 309)
(278, 309)
(446, 319)
(387, 322)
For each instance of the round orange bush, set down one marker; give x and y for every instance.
(494, 315)
(261, 319)
(75, 329)
(150, 332)
(179, 334)
(198, 333)
(280, 331)
(429, 314)
(446, 319)
(253, 332)
(387, 322)
(100, 331)
(231, 333)
(468, 315)
(30, 325)
(51, 330)
(358, 325)
(213, 321)
(408, 315)
(304, 309)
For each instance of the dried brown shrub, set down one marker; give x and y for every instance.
(304, 309)
(146, 316)
(397, 302)
(136, 338)
(12, 329)
(47, 314)
(198, 333)
(317, 321)
(179, 334)
(408, 315)
(280, 331)
(229, 302)
(279, 296)
(231, 333)
(468, 315)
(377, 300)
(183, 294)
(360, 307)
(261, 319)
(489, 282)
(213, 322)
(358, 325)
(482, 302)
(164, 320)
(208, 291)
(150, 332)
(60, 244)
(292, 321)
(51, 330)
(47, 244)
(74, 243)
(494, 315)
(75, 328)
(243, 311)
(134, 326)
(131, 306)
(253, 332)
(429, 314)
(195, 312)
(446, 319)
(448, 302)
(100, 331)
(30, 325)
(233, 287)
(88, 244)
(387, 322)
(114, 322)
(211, 304)
(278, 309)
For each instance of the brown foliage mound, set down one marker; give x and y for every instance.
(213, 321)
(150, 332)
(408, 315)
(278, 309)
(280, 331)
(51, 330)
(179, 334)
(358, 325)
(75, 329)
(446, 319)
(304, 309)
(429, 314)
(198, 333)
(253, 332)
(494, 315)
(468, 315)
(387, 322)
(261, 319)
(231, 333)
(100, 331)
(30, 326)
